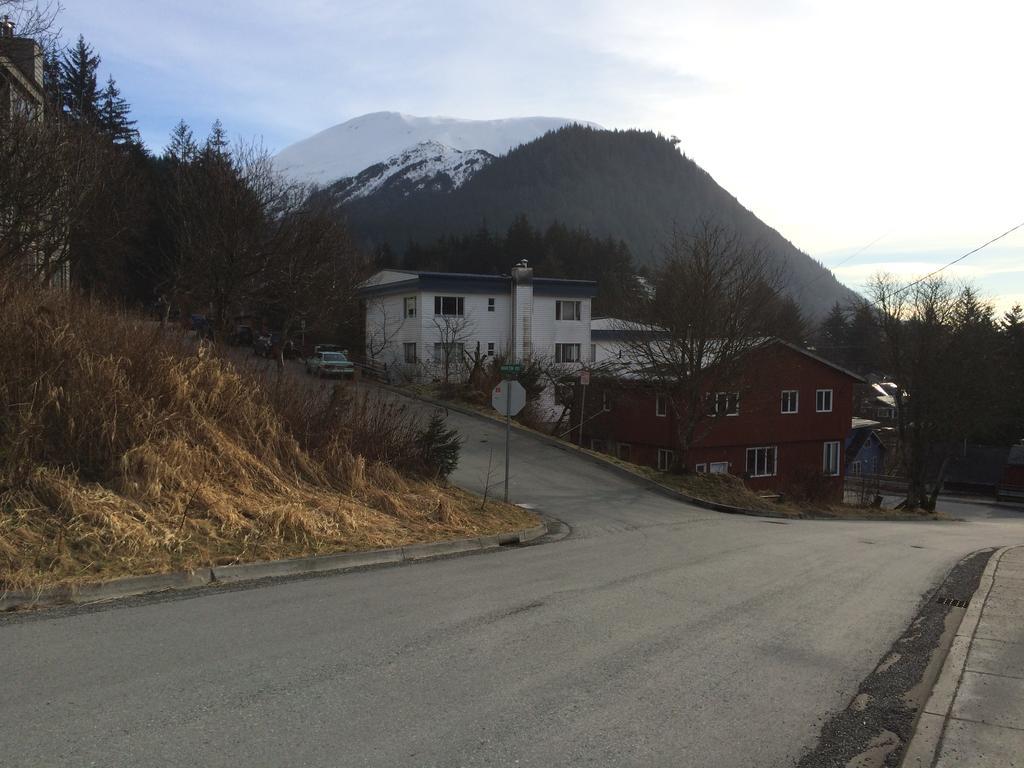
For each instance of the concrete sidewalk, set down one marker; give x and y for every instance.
(975, 715)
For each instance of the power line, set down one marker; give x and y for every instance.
(961, 258)
(829, 270)
(858, 253)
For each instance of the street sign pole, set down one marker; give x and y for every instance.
(508, 438)
(584, 381)
(508, 398)
(583, 411)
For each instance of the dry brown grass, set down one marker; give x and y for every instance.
(125, 451)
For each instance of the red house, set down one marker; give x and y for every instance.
(785, 424)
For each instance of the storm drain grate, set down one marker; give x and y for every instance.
(951, 601)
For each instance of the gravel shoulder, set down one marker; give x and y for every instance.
(874, 729)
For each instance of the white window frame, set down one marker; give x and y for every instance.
(460, 306)
(666, 458)
(490, 305)
(818, 398)
(830, 454)
(795, 401)
(560, 353)
(560, 310)
(407, 347)
(409, 306)
(490, 349)
(701, 469)
(713, 464)
(660, 406)
(763, 470)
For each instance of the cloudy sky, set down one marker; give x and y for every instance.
(889, 132)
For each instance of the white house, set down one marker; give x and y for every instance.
(418, 323)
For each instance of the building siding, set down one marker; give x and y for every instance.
(798, 437)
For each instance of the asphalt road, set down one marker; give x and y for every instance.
(653, 634)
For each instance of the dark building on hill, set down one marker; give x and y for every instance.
(21, 76)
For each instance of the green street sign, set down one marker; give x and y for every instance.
(512, 368)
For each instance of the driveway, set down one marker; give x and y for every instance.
(653, 634)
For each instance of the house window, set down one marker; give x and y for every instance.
(790, 400)
(490, 349)
(456, 352)
(567, 310)
(624, 451)
(593, 353)
(700, 469)
(823, 401)
(830, 458)
(410, 352)
(726, 404)
(598, 445)
(567, 353)
(660, 406)
(665, 459)
(410, 306)
(719, 467)
(450, 305)
(855, 468)
(490, 305)
(761, 461)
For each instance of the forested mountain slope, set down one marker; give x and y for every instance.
(629, 185)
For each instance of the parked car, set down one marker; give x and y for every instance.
(329, 364)
(328, 348)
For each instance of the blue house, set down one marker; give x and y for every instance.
(865, 454)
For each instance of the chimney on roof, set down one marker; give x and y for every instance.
(24, 52)
(522, 272)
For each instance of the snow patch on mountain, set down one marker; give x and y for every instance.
(347, 149)
(427, 164)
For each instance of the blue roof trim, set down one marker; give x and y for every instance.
(399, 286)
(575, 289)
(624, 334)
(461, 282)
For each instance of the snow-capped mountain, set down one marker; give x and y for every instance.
(353, 146)
(427, 165)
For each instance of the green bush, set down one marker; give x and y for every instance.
(439, 447)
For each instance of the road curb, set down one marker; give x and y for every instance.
(647, 482)
(924, 743)
(131, 586)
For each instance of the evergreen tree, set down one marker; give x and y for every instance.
(1012, 323)
(439, 448)
(80, 96)
(862, 340)
(217, 141)
(182, 147)
(53, 97)
(834, 331)
(113, 115)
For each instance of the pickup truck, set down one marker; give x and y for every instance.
(329, 364)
